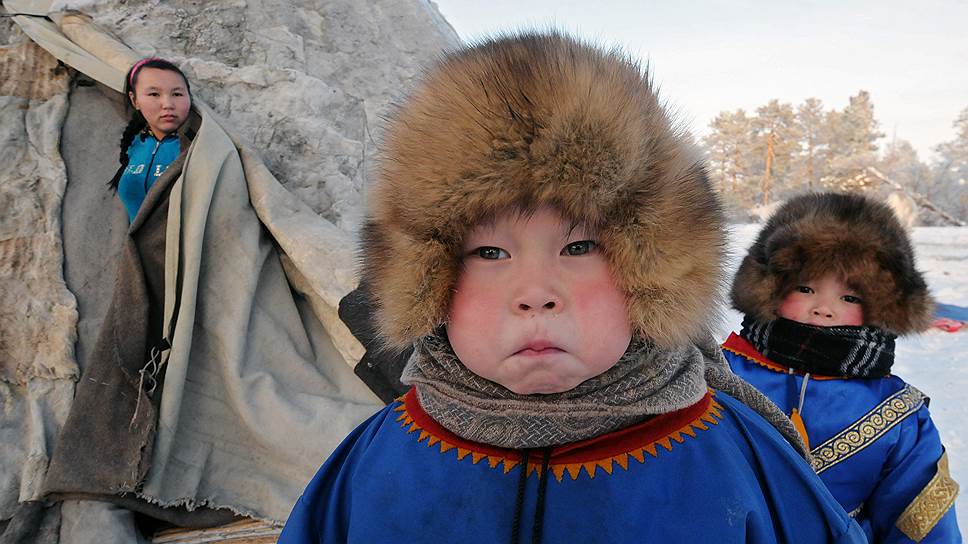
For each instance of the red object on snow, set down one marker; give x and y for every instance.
(948, 325)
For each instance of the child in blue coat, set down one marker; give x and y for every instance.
(549, 244)
(825, 289)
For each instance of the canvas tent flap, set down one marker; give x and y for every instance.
(46, 34)
(259, 385)
(38, 314)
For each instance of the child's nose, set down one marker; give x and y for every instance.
(537, 297)
(823, 311)
(549, 305)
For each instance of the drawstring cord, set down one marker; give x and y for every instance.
(539, 509)
(803, 391)
(538, 527)
(519, 504)
(797, 415)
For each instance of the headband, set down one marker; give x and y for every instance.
(137, 66)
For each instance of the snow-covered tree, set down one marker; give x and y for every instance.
(728, 150)
(782, 150)
(728, 144)
(813, 143)
(851, 146)
(776, 136)
(951, 170)
(901, 164)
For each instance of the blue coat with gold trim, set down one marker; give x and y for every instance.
(715, 471)
(873, 444)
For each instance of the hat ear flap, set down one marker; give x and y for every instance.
(753, 289)
(906, 305)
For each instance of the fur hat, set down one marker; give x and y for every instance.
(856, 238)
(540, 119)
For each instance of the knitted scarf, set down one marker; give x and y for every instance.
(646, 381)
(853, 352)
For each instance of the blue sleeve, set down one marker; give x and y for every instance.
(799, 506)
(914, 489)
(321, 513)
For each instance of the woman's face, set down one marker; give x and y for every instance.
(162, 98)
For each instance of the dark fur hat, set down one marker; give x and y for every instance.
(856, 238)
(540, 119)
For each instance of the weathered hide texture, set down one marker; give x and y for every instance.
(38, 314)
(305, 82)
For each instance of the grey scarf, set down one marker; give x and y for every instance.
(646, 381)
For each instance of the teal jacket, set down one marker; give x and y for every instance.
(147, 161)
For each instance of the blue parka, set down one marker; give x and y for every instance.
(873, 444)
(713, 472)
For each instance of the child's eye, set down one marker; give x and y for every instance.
(804, 289)
(851, 299)
(491, 253)
(579, 248)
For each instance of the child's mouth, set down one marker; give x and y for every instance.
(538, 347)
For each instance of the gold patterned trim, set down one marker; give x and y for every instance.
(926, 510)
(856, 511)
(866, 430)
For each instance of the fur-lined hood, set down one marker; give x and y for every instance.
(530, 120)
(854, 237)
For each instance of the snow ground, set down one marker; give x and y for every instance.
(935, 362)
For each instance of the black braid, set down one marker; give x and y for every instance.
(135, 125)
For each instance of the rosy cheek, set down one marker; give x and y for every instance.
(587, 295)
(601, 303)
(474, 301)
(854, 316)
(789, 309)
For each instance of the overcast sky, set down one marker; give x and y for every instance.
(710, 56)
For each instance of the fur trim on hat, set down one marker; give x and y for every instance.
(854, 237)
(530, 120)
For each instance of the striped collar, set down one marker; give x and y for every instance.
(742, 347)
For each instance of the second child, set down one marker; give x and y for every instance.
(826, 287)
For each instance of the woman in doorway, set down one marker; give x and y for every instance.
(105, 446)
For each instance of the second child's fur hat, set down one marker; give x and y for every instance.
(540, 119)
(858, 239)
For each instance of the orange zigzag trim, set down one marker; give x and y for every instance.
(508, 459)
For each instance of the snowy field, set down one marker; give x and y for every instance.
(935, 362)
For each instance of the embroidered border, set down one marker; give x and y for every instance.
(926, 510)
(866, 430)
(566, 463)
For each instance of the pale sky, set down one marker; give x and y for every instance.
(710, 56)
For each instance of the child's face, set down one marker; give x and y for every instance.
(162, 98)
(825, 302)
(535, 308)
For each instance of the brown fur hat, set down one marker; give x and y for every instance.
(540, 119)
(854, 237)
